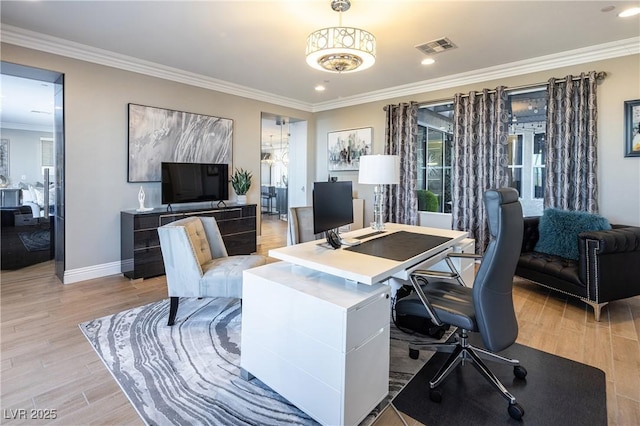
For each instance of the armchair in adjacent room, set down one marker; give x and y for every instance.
(486, 308)
(197, 264)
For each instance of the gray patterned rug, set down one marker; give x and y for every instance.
(189, 374)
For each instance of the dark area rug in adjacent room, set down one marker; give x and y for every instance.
(556, 391)
(36, 240)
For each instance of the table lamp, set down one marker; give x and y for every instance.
(379, 170)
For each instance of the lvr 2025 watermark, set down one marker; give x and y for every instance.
(29, 414)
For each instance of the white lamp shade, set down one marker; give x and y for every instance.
(379, 169)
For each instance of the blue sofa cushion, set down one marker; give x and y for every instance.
(559, 231)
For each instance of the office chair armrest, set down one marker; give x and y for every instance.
(465, 255)
(454, 274)
(423, 299)
(434, 274)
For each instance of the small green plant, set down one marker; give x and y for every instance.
(427, 201)
(241, 181)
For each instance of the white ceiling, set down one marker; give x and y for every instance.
(256, 48)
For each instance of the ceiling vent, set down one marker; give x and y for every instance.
(436, 46)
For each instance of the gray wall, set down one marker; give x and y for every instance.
(618, 177)
(96, 99)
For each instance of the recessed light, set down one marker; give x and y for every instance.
(319, 88)
(428, 61)
(629, 12)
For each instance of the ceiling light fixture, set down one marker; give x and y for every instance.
(629, 12)
(341, 49)
(428, 61)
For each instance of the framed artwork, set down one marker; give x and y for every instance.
(632, 128)
(346, 146)
(157, 135)
(4, 158)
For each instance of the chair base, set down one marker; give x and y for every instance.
(463, 352)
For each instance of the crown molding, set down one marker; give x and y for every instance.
(30, 127)
(37, 41)
(49, 44)
(630, 46)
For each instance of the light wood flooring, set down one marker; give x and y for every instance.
(47, 364)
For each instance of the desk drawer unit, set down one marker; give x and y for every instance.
(317, 340)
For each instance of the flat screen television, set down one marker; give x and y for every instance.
(332, 205)
(194, 182)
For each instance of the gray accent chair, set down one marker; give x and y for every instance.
(486, 308)
(197, 264)
(300, 225)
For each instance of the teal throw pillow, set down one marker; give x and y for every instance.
(559, 231)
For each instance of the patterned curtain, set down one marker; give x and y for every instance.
(401, 129)
(480, 136)
(571, 178)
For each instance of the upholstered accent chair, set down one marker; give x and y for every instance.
(486, 308)
(300, 225)
(197, 264)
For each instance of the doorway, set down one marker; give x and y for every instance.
(32, 167)
(282, 171)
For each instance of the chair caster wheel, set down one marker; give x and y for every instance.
(414, 353)
(435, 395)
(520, 372)
(516, 411)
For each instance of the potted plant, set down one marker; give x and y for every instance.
(241, 182)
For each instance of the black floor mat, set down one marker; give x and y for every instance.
(556, 391)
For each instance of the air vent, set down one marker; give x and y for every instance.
(436, 46)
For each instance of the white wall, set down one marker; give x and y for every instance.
(298, 193)
(618, 177)
(25, 155)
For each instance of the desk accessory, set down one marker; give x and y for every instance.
(379, 170)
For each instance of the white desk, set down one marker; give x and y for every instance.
(363, 268)
(316, 327)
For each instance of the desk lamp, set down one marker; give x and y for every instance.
(379, 170)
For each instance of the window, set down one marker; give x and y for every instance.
(514, 152)
(526, 147)
(526, 151)
(538, 165)
(47, 159)
(47, 152)
(435, 143)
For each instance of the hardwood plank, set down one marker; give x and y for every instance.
(626, 367)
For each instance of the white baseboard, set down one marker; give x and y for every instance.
(90, 272)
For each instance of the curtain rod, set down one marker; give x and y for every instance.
(599, 76)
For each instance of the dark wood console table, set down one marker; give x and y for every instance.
(140, 246)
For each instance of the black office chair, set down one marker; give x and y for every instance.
(487, 308)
